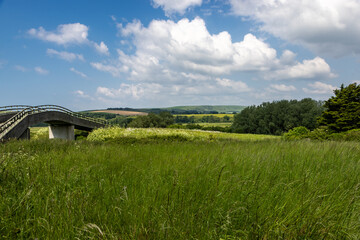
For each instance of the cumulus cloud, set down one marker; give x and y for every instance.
(153, 91)
(41, 70)
(68, 56)
(73, 33)
(327, 27)
(319, 88)
(102, 48)
(81, 94)
(114, 70)
(183, 59)
(65, 34)
(282, 87)
(234, 86)
(308, 69)
(78, 72)
(176, 6)
(166, 47)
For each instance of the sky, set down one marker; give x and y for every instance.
(92, 54)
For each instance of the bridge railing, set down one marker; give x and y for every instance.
(13, 108)
(10, 123)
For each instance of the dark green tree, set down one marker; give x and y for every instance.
(342, 110)
(153, 120)
(278, 117)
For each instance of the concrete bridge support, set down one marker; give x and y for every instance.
(62, 132)
(25, 135)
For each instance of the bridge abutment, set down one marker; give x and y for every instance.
(62, 132)
(25, 135)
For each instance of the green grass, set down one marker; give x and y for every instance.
(37, 133)
(166, 134)
(179, 190)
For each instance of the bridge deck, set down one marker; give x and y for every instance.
(14, 124)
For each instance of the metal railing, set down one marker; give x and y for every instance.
(13, 108)
(29, 110)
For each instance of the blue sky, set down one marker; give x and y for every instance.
(157, 53)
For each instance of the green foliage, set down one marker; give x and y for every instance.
(206, 127)
(278, 117)
(179, 190)
(322, 134)
(116, 134)
(203, 109)
(297, 133)
(102, 115)
(342, 110)
(152, 120)
(37, 133)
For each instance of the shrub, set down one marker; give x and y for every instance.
(297, 133)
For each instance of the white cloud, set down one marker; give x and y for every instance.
(41, 70)
(21, 68)
(134, 91)
(65, 34)
(166, 48)
(73, 33)
(188, 46)
(68, 56)
(178, 59)
(81, 94)
(102, 48)
(319, 88)
(113, 70)
(173, 6)
(308, 69)
(282, 87)
(328, 27)
(78, 72)
(236, 86)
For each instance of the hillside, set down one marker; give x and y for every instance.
(201, 109)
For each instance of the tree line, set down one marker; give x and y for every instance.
(278, 117)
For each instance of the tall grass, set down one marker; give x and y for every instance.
(135, 134)
(180, 190)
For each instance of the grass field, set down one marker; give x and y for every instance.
(121, 112)
(199, 189)
(205, 115)
(221, 124)
(118, 134)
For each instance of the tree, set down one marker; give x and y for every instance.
(278, 117)
(153, 120)
(342, 110)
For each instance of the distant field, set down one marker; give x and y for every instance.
(221, 124)
(206, 108)
(205, 115)
(121, 112)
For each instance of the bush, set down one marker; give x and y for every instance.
(322, 134)
(297, 133)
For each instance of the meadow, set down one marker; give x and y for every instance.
(176, 186)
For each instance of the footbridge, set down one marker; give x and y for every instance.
(16, 120)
